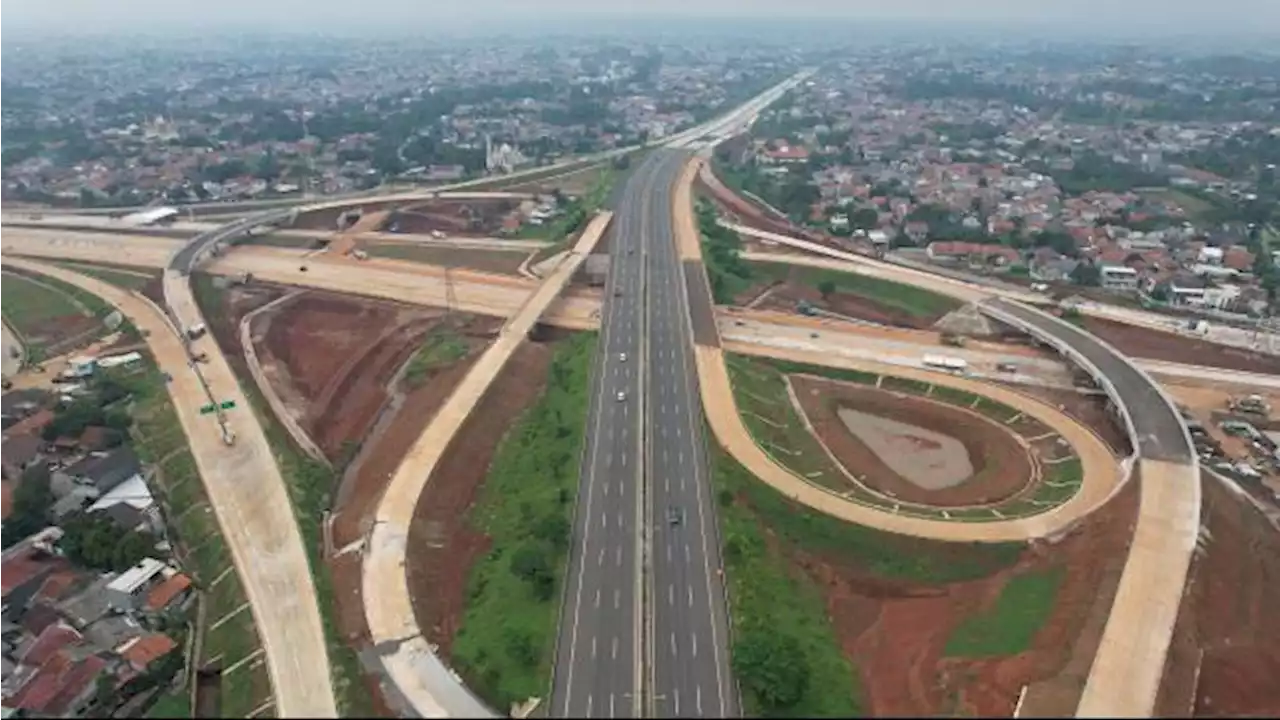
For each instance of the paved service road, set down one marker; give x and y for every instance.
(691, 676)
(597, 653)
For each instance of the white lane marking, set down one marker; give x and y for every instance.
(680, 457)
(588, 706)
(678, 432)
(686, 552)
(671, 594)
(617, 599)
(612, 712)
(622, 523)
(675, 697)
(666, 482)
(698, 697)
(615, 647)
(593, 647)
(694, 638)
(618, 559)
(600, 558)
(668, 552)
(606, 489)
(690, 589)
(682, 482)
(604, 522)
(597, 602)
(624, 457)
(675, 651)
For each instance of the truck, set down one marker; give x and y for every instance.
(195, 331)
(943, 362)
(359, 254)
(804, 307)
(438, 234)
(952, 339)
(1250, 404)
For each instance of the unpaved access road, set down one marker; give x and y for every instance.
(249, 498)
(431, 689)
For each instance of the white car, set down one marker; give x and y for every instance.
(622, 395)
(622, 357)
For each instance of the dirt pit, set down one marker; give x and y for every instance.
(454, 217)
(1000, 465)
(1156, 345)
(330, 357)
(930, 460)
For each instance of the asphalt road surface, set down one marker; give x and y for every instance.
(597, 653)
(1160, 432)
(689, 649)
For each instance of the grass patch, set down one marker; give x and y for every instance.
(172, 705)
(576, 212)
(954, 396)
(1008, 628)
(505, 646)
(441, 347)
(28, 303)
(996, 410)
(727, 273)
(766, 409)
(885, 554)
(855, 376)
(779, 610)
(907, 299)
(309, 484)
(904, 385)
(126, 280)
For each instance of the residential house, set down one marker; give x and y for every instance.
(140, 652)
(18, 404)
(25, 567)
(131, 505)
(129, 590)
(174, 590)
(1118, 278)
(19, 452)
(971, 253)
(92, 477)
(1050, 266)
(90, 604)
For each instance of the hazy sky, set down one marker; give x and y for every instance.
(1137, 17)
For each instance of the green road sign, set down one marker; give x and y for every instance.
(227, 404)
(207, 409)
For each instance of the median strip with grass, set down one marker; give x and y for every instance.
(441, 347)
(505, 646)
(907, 299)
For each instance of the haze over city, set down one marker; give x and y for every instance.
(1128, 17)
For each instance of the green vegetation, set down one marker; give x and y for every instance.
(506, 643)
(904, 385)
(172, 705)
(309, 484)
(95, 541)
(119, 278)
(575, 213)
(906, 299)
(953, 396)
(159, 440)
(728, 274)
(441, 348)
(1008, 627)
(766, 408)
(28, 303)
(996, 410)
(785, 653)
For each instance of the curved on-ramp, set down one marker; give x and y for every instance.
(1129, 664)
(253, 510)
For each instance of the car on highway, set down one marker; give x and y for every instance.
(622, 357)
(617, 292)
(1007, 367)
(675, 515)
(622, 395)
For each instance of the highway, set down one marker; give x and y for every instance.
(690, 650)
(597, 651)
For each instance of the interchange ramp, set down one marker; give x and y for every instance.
(429, 687)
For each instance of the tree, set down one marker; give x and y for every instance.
(1086, 274)
(92, 540)
(554, 529)
(865, 219)
(530, 563)
(827, 287)
(771, 666)
(31, 502)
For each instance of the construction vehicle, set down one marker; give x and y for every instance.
(1250, 404)
(200, 357)
(195, 331)
(804, 307)
(952, 339)
(359, 254)
(244, 278)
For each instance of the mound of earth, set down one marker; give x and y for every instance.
(968, 320)
(1001, 466)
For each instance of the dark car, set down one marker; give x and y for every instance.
(675, 515)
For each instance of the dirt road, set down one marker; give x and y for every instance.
(421, 678)
(249, 498)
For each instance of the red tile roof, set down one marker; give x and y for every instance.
(57, 684)
(52, 640)
(147, 649)
(24, 565)
(162, 594)
(33, 423)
